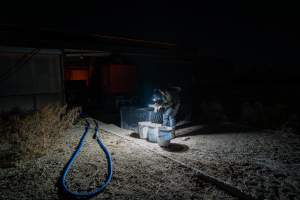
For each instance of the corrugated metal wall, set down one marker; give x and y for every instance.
(32, 85)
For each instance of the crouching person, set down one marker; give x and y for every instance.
(170, 105)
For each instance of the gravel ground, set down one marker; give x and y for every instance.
(138, 173)
(263, 164)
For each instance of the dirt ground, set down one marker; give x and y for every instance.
(263, 164)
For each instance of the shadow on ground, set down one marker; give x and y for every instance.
(177, 148)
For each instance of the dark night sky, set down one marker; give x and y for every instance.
(254, 33)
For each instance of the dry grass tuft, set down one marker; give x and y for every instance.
(33, 133)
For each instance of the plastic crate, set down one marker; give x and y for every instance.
(131, 116)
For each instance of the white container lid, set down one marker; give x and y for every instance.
(166, 128)
(154, 125)
(144, 123)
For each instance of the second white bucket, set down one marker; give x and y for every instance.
(153, 130)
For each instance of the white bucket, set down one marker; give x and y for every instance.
(164, 136)
(153, 130)
(143, 129)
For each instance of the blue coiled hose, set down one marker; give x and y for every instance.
(86, 195)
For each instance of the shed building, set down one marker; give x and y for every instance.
(30, 78)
